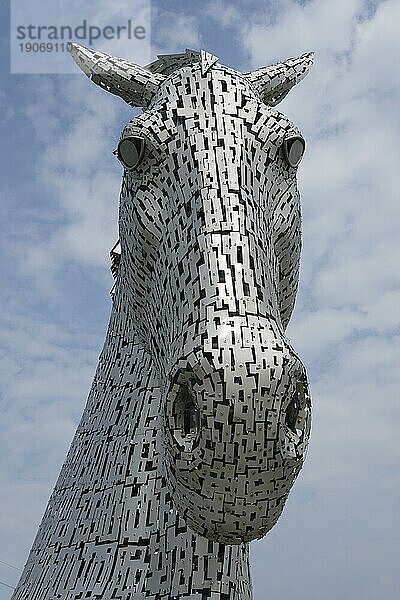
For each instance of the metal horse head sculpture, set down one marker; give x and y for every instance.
(216, 402)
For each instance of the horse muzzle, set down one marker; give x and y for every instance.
(236, 430)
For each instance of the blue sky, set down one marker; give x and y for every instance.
(339, 535)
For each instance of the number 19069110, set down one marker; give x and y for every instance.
(43, 47)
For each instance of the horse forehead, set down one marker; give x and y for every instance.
(188, 100)
(218, 78)
(200, 100)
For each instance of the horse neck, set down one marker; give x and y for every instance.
(110, 525)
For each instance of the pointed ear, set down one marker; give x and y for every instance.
(273, 83)
(134, 84)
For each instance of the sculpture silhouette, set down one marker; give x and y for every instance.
(198, 419)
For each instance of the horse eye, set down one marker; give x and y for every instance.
(293, 149)
(130, 151)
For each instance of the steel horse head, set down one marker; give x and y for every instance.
(210, 245)
(198, 419)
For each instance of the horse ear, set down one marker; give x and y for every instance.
(134, 84)
(273, 83)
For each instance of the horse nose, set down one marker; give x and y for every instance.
(221, 424)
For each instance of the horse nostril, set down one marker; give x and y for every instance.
(297, 420)
(184, 418)
(295, 411)
(191, 415)
(292, 412)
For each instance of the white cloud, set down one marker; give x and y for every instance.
(44, 387)
(223, 13)
(174, 32)
(78, 179)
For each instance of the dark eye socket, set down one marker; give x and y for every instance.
(130, 151)
(293, 149)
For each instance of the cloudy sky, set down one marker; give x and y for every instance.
(339, 536)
